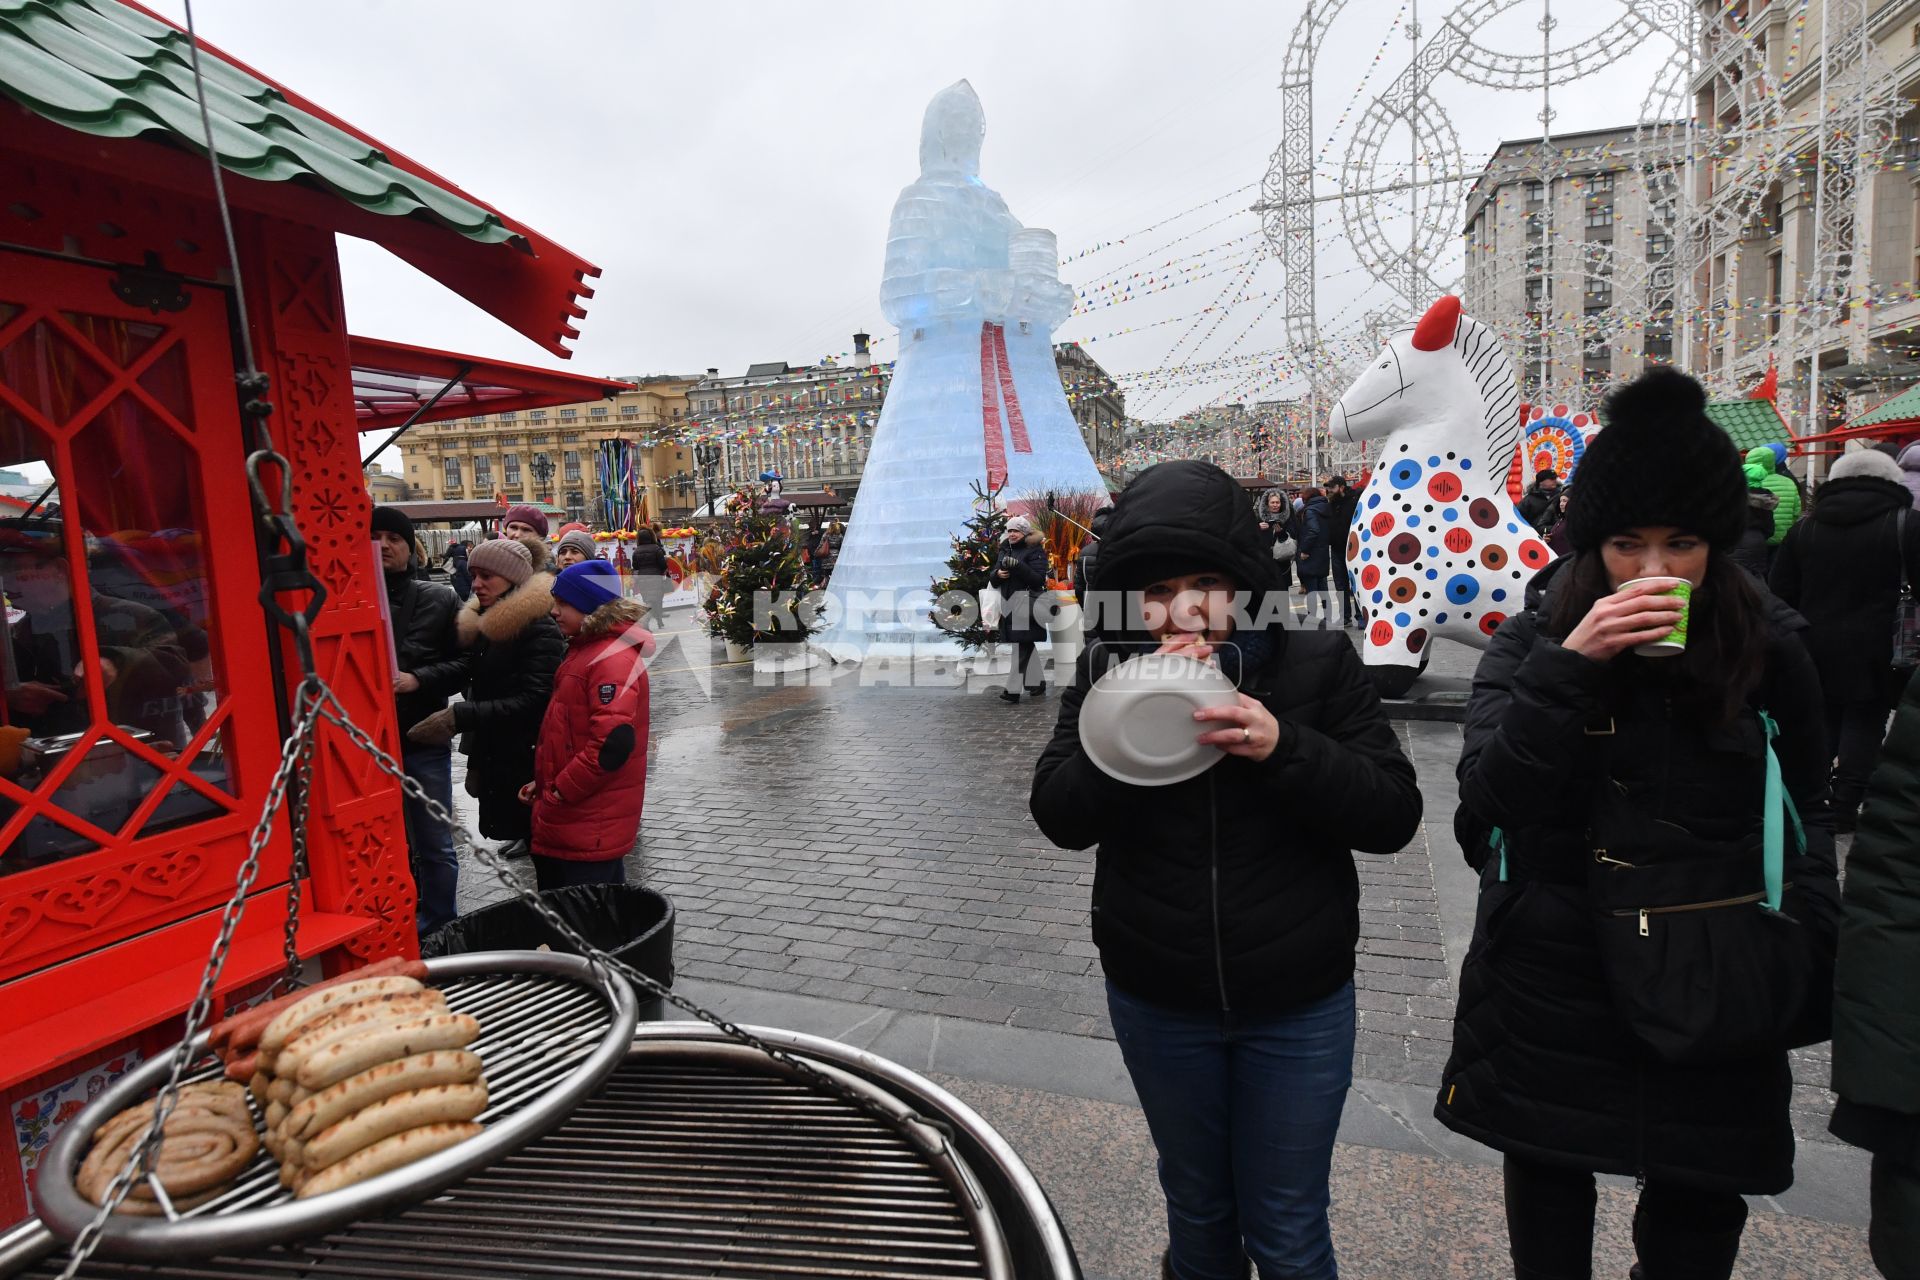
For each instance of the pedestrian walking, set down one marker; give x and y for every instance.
(1753, 552)
(1876, 1003)
(820, 548)
(1842, 568)
(1314, 559)
(511, 647)
(426, 649)
(1557, 541)
(649, 569)
(457, 574)
(590, 768)
(1275, 519)
(574, 546)
(1540, 505)
(1770, 460)
(1341, 502)
(1226, 907)
(1910, 470)
(1020, 575)
(1628, 1000)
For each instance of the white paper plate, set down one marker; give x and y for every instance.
(1137, 721)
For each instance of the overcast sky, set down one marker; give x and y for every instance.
(731, 167)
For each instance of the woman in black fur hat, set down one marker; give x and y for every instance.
(1636, 975)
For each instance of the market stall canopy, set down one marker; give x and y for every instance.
(123, 74)
(1901, 412)
(393, 381)
(1750, 423)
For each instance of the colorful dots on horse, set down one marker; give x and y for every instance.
(1438, 548)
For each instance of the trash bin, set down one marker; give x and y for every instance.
(629, 922)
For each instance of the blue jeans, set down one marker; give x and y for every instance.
(436, 868)
(1243, 1111)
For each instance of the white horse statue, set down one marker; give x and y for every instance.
(1437, 547)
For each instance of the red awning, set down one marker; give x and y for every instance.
(391, 381)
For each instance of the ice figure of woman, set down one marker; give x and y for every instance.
(974, 392)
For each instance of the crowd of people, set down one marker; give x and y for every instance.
(1653, 822)
(547, 657)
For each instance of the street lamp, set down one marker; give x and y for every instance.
(543, 472)
(707, 455)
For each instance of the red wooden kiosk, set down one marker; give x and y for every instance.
(145, 691)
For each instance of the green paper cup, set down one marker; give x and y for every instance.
(1675, 641)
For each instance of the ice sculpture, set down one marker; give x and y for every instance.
(975, 394)
(1437, 547)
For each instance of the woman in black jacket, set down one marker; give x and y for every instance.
(650, 569)
(1575, 1050)
(1275, 517)
(1314, 559)
(512, 649)
(1021, 576)
(1226, 907)
(1841, 567)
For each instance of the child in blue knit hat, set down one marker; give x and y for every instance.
(590, 764)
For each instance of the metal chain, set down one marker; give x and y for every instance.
(312, 697)
(336, 715)
(300, 870)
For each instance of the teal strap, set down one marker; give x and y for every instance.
(1497, 841)
(1779, 807)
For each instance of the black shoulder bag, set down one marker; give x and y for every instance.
(1701, 961)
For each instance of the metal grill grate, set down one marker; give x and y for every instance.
(548, 1034)
(689, 1162)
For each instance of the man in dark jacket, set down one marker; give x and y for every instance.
(428, 655)
(1540, 506)
(1226, 906)
(1876, 1003)
(1841, 568)
(1341, 501)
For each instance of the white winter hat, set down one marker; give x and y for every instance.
(1019, 525)
(1866, 462)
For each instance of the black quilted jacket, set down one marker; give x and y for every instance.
(1235, 889)
(1542, 1067)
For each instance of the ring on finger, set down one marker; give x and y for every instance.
(1246, 735)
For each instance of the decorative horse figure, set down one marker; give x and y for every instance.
(1437, 547)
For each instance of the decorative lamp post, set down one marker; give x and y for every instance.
(543, 474)
(707, 455)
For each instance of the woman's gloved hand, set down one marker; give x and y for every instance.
(436, 730)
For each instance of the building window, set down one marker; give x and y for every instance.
(676, 415)
(1600, 182)
(573, 466)
(453, 473)
(568, 415)
(1659, 244)
(537, 415)
(1600, 215)
(598, 411)
(1536, 194)
(629, 410)
(507, 417)
(512, 465)
(483, 473)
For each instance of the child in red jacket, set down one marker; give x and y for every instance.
(590, 765)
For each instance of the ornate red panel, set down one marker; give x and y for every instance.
(359, 841)
(137, 725)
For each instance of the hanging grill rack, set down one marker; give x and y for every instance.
(552, 1030)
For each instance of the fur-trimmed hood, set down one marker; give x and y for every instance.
(611, 617)
(542, 553)
(1033, 539)
(511, 614)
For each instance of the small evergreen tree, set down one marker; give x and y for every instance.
(761, 568)
(975, 552)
